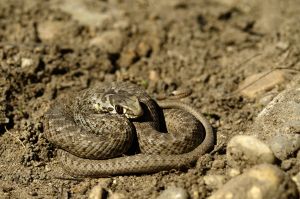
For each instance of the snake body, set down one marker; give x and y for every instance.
(95, 131)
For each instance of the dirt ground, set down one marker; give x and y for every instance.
(51, 48)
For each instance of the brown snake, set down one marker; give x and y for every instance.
(97, 128)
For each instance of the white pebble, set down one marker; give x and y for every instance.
(245, 150)
(263, 181)
(296, 179)
(214, 181)
(284, 145)
(174, 193)
(116, 196)
(96, 192)
(110, 41)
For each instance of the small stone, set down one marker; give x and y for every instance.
(263, 181)
(3, 118)
(270, 18)
(233, 172)
(267, 98)
(110, 41)
(214, 181)
(174, 193)
(257, 84)
(284, 146)
(122, 24)
(233, 36)
(283, 45)
(96, 192)
(280, 116)
(287, 164)
(117, 196)
(153, 75)
(127, 58)
(143, 49)
(47, 168)
(80, 12)
(243, 150)
(218, 164)
(50, 30)
(296, 179)
(26, 62)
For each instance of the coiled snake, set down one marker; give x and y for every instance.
(97, 129)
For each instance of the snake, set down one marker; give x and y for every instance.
(116, 128)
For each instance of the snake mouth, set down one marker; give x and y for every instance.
(133, 114)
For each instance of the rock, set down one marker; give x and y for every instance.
(96, 192)
(174, 193)
(3, 118)
(267, 98)
(122, 24)
(86, 16)
(281, 116)
(287, 164)
(283, 45)
(245, 150)
(264, 181)
(258, 83)
(143, 49)
(50, 30)
(110, 41)
(270, 17)
(117, 196)
(233, 172)
(153, 75)
(296, 179)
(127, 57)
(241, 5)
(284, 146)
(233, 36)
(214, 181)
(218, 164)
(26, 62)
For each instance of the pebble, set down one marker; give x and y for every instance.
(218, 164)
(283, 45)
(214, 181)
(127, 57)
(26, 62)
(96, 192)
(296, 179)
(85, 16)
(50, 30)
(3, 118)
(243, 150)
(231, 172)
(263, 181)
(258, 83)
(287, 164)
(110, 41)
(174, 193)
(284, 146)
(270, 19)
(117, 196)
(267, 98)
(153, 75)
(281, 116)
(233, 36)
(143, 49)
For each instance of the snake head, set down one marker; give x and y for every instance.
(119, 103)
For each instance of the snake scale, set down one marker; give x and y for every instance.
(97, 129)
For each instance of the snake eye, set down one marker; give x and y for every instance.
(119, 109)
